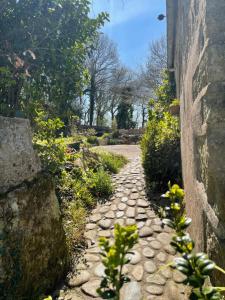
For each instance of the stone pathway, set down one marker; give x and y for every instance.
(128, 206)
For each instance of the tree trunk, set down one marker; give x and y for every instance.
(92, 101)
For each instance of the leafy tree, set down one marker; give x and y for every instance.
(42, 55)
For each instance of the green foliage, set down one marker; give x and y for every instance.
(114, 257)
(160, 146)
(74, 216)
(51, 150)
(175, 102)
(160, 143)
(41, 57)
(196, 267)
(112, 162)
(73, 187)
(93, 140)
(124, 116)
(99, 183)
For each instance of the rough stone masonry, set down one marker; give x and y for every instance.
(32, 241)
(196, 53)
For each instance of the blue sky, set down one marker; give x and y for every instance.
(133, 26)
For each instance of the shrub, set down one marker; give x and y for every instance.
(161, 151)
(114, 257)
(99, 183)
(51, 149)
(112, 162)
(113, 141)
(161, 141)
(93, 140)
(74, 189)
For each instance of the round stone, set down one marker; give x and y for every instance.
(124, 199)
(138, 272)
(166, 272)
(90, 235)
(134, 257)
(164, 238)
(161, 257)
(120, 222)
(110, 215)
(143, 242)
(80, 279)
(134, 196)
(142, 203)
(105, 224)
(119, 195)
(130, 222)
(95, 218)
(156, 279)
(157, 221)
(170, 250)
(148, 252)
(90, 287)
(145, 232)
(178, 277)
(140, 225)
(157, 228)
(151, 214)
(150, 266)
(90, 226)
(122, 206)
(104, 233)
(141, 210)
(148, 222)
(131, 291)
(155, 245)
(141, 217)
(130, 212)
(131, 202)
(100, 270)
(113, 207)
(154, 289)
(119, 214)
(104, 209)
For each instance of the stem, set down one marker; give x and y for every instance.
(220, 269)
(219, 288)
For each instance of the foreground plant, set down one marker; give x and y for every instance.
(197, 267)
(114, 259)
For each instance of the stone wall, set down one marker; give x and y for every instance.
(32, 241)
(196, 52)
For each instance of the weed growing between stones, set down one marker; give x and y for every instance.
(197, 267)
(114, 257)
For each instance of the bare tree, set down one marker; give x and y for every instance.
(156, 62)
(102, 63)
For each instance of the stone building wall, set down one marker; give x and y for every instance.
(196, 53)
(32, 242)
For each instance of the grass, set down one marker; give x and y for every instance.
(100, 184)
(111, 162)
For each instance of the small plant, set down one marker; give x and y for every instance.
(99, 183)
(197, 267)
(50, 149)
(114, 257)
(93, 140)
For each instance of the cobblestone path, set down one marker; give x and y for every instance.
(127, 206)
